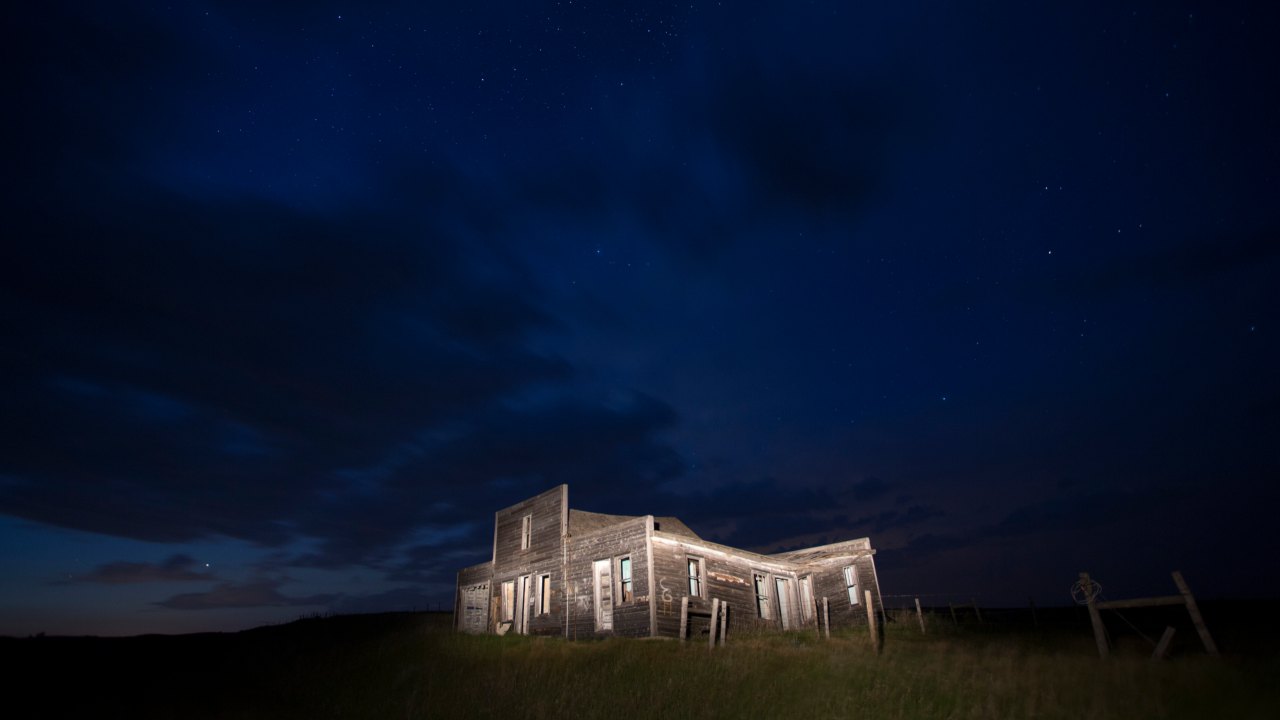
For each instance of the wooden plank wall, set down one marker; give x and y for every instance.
(613, 542)
(544, 555)
(828, 581)
(470, 577)
(728, 578)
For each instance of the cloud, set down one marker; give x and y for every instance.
(263, 593)
(178, 568)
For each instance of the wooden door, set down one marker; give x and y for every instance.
(604, 595)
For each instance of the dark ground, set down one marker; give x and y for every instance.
(277, 671)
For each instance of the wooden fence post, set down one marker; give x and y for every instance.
(684, 617)
(711, 630)
(826, 617)
(1099, 630)
(871, 621)
(1194, 611)
(1163, 646)
(920, 616)
(724, 620)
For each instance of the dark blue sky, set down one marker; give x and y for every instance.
(295, 295)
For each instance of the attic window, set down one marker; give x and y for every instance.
(526, 531)
(696, 571)
(851, 583)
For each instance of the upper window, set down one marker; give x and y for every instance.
(697, 569)
(526, 531)
(763, 609)
(624, 580)
(851, 583)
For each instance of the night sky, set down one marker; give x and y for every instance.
(294, 296)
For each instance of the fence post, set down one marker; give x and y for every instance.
(826, 617)
(1163, 646)
(684, 617)
(1194, 610)
(871, 621)
(920, 616)
(715, 616)
(724, 620)
(1099, 630)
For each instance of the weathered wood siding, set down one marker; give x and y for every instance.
(728, 576)
(548, 513)
(828, 581)
(471, 603)
(622, 539)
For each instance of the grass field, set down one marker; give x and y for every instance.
(411, 665)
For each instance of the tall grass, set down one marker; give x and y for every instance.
(431, 672)
(414, 666)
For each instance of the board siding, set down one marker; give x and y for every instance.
(659, 572)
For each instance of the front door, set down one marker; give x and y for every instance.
(522, 605)
(604, 595)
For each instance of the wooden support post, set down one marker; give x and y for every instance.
(724, 621)
(920, 616)
(1163, 646)
(976, 611)
(711, 628)
(1099, 630)
(871, 621)
(1194, 611)
(826, 617)
(684, 617)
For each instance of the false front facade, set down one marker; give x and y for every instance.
(559, 571)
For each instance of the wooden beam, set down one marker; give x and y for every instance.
(871, 621)
(1141, 602)
(684, 617)
(1099, 630)
(920, 616)
(1163, 646)
(1194, 610)
(711, 627)
(724, 621)
(826, 617)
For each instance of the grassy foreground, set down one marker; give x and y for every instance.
(410, 666)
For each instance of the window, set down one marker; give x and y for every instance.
(508, 601)
(807, 607)
(526, 531)
(851, 583)
(544, 594)
(697, 569)
(624, 580)
(762, 596)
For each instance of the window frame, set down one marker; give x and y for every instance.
(764, 602)
(850, 574)
(696, 569)
(544, 594)
(526, 531)
(626, 581)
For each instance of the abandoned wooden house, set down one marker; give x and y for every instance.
(559, 571)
